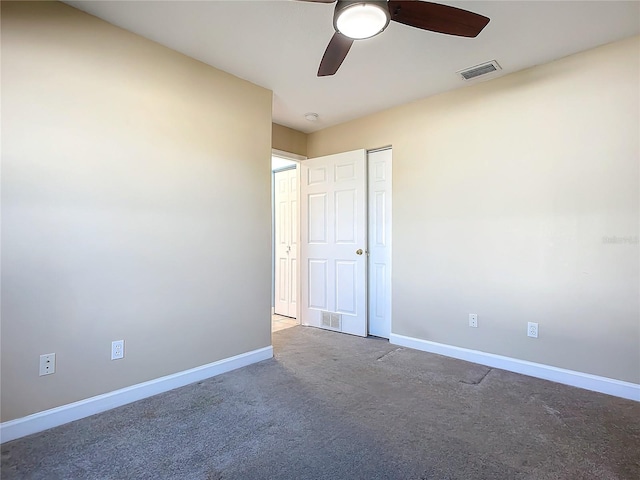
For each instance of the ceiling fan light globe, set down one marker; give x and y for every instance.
(361, 20)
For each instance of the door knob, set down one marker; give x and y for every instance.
(359, 251)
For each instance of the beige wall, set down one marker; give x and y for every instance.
(289, 140)
(502, 195)
(135, 206)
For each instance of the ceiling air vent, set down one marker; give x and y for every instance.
(479, 70)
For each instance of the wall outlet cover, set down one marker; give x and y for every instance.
(117, 349)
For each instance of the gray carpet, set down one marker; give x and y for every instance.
(332, 406)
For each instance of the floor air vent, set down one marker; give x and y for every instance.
(331, 320)
(479, 70)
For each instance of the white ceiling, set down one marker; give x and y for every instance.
(279, 44)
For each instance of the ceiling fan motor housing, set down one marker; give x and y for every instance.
(350, 14)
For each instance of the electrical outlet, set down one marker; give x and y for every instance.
(47, 364)
(473, 320)
(532, 329)
(117, 349)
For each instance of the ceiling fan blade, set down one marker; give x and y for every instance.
(437, 17)
(334, 54)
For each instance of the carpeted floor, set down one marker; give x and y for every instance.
(332, 406)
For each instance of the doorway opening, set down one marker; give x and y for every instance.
(284, 216)
(331, 257)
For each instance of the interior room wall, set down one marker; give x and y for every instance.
(135, 206)
(289, 140)
(518, 199)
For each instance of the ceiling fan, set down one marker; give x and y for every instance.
(358, 20)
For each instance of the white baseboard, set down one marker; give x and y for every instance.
(587, 381)
(74, 411)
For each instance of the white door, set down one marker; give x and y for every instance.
(379, 181)
(286, 244)
(333, 242)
